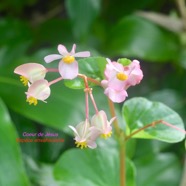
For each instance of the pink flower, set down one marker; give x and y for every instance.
(30, 72)
(119, 78)
(85, 135)
(68, 66)
(39, 90)
(100, 121)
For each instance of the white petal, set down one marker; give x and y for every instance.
(73, 49)
(52, 57)
(74, 130)
(68, 71)
(32, 71)
(62, 50)
(82, 54)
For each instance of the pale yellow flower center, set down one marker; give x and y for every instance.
(68, 59)
(121, 76)
(81, 144)
(32, 100)
(105, 136)
(24, 80)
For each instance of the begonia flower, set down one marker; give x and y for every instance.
(85, 135)
(30, 72)
(119, 78)
(39, 90)
(99, 120)
(68, 66)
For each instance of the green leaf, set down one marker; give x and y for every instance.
(136, 37)
(12, 170)
(92, 167)
(161, 169)
(138, 112)
(82, 13)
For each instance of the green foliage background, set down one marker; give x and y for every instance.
(32, 29)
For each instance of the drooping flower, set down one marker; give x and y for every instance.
(39, 90)
(68, 66)
(30, 72)
(119, 78)
(85, 135)
(100, 121)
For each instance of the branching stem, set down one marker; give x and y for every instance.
(153, 124)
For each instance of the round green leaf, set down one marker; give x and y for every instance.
(138, 112)
(12, 170)
(92, 168)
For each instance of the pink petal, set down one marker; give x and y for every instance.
(135, 75)
(94, 133)
(110, 72)
(91, 144)
(112, 68)
(104, 83)
(62, 50)
(82, 54)
(39, 90)
(32, 71)
(68, 71)
(73, 49)
(116, 84)
(116, 66)
(52, 57)
(116, 96)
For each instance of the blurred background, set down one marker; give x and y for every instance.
(152, 31)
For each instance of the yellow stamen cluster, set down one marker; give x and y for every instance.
(108, 135)
(121, 76)
(81, 144)
(68, 59)
(32, 100)
(24, 80)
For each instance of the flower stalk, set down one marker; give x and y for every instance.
(122, 152)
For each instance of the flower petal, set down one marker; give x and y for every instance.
(74, 130)
(91, 144)
(32, 71)
(82, 54)
(68, 71)
(116, 96)
(135, 74)
(104, 83)
(62, 50)
(52, 57)
(39, 90)
(116, 84)
(73, 49)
